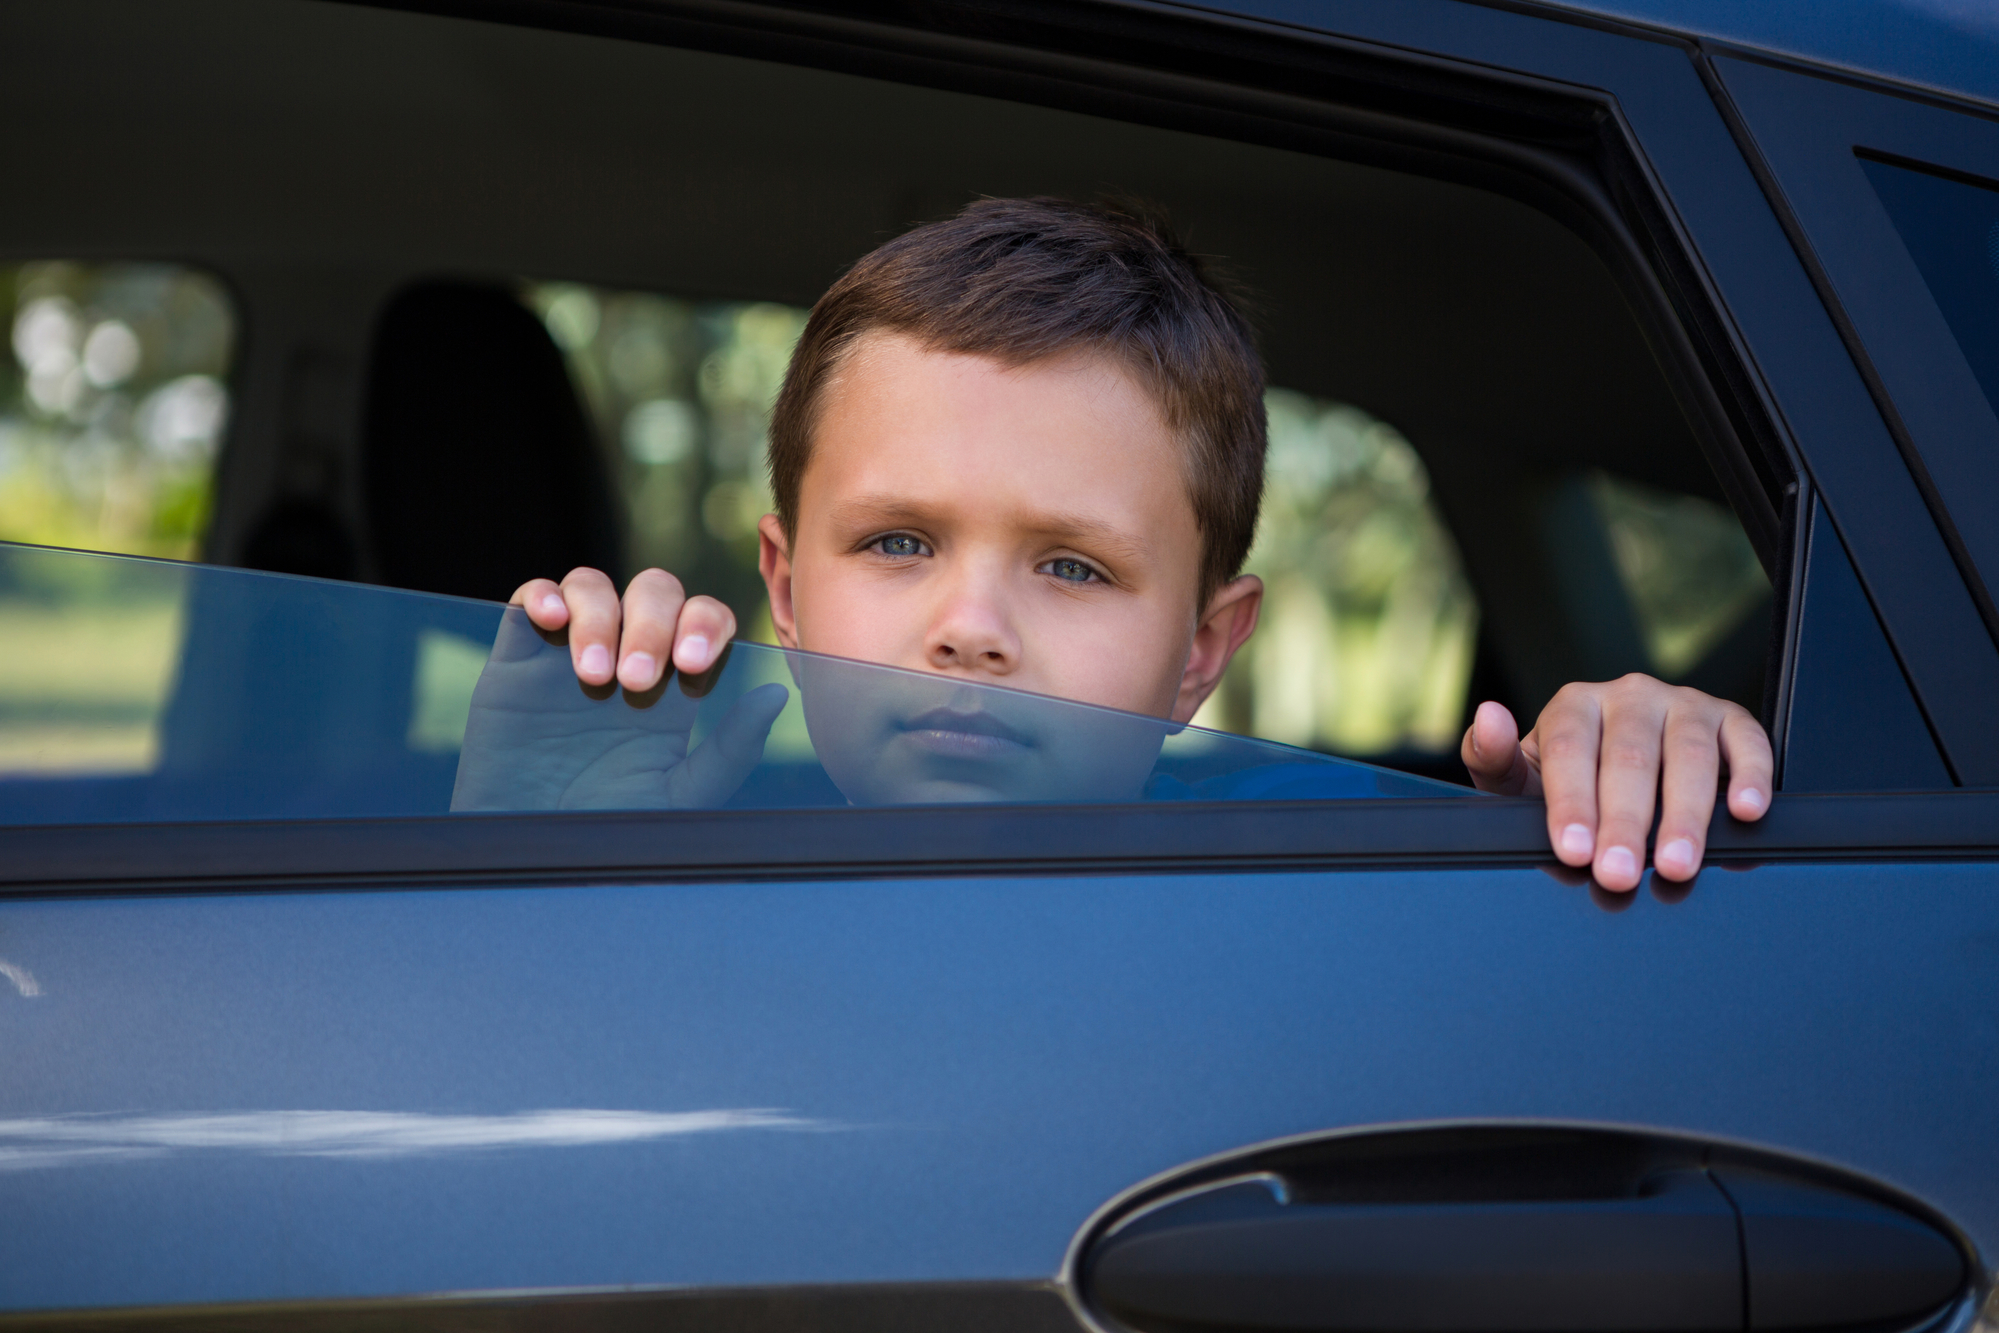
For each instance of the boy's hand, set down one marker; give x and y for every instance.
(1601, 754)
(657, 622)
(540, 738)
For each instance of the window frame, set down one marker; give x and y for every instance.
(937, 842)
(1926, 565)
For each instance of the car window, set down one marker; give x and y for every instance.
(112, 405)
(1951, 228)
(1496, 465)
(148, 690)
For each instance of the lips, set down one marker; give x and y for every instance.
(968, 735)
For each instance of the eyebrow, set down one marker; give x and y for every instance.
(1080, 529)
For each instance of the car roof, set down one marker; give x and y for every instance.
(1949, 46)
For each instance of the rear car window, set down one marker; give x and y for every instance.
(561, 351)
(1952, 230)
(112, 405)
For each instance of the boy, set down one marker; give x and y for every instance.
(1024, 447)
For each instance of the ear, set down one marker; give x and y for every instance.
(774, 563)
(1226, 624)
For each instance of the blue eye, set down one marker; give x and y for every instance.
(1071, 571)
(900, 543)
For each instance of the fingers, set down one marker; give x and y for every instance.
(633, 639)
(1492, 754)
(1634, 712)
(1751, 768)
(652, 609)
(1566, 740)
(706, 626)
(1691, 753)
(719, 764)
(592, 601)
(542, 600)
(1611, 754)
(663, 626)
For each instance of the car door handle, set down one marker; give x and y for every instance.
(1680, 1249)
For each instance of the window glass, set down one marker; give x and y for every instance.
(241, 695)
(1952, 231)
(1367, 639)
(112, 405)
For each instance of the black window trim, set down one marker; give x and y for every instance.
(943, 842)
(1954, 687)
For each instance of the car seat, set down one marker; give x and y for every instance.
(479, 466)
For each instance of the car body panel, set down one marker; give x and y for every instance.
(930, 1080)
(1810, 130)
(1948, 46)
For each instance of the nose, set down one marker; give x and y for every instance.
(971, 629)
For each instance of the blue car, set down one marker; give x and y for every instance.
(341, 989)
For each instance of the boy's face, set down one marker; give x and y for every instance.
(1023, 526)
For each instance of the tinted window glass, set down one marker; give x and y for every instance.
(143, 690)
(1952, 231)
(112, 405)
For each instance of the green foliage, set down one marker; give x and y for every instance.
(681, 393)
(112, 405)
(1368, 626)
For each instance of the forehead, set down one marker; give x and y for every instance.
(1075, 433)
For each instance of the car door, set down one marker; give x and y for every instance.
(318, 1053)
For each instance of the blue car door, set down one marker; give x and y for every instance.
(287, 1041)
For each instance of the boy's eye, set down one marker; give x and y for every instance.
(900, 543)
(1070, 571)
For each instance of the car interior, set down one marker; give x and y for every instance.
(396, 203)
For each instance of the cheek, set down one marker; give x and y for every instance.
(840, 611)
(1131, 661)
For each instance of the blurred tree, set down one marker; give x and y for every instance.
(112, 405)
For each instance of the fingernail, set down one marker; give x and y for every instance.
(1751, 801)
(1677, 857)
(639, 667)
(1577, 840)
(596, 660)
(1620, 862)
(694, 648)
(552, 602)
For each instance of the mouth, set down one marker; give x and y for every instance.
(973, 735)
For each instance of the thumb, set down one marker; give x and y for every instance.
(719, 764)
(1491, 753)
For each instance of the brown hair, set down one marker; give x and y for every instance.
(1022, 279)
